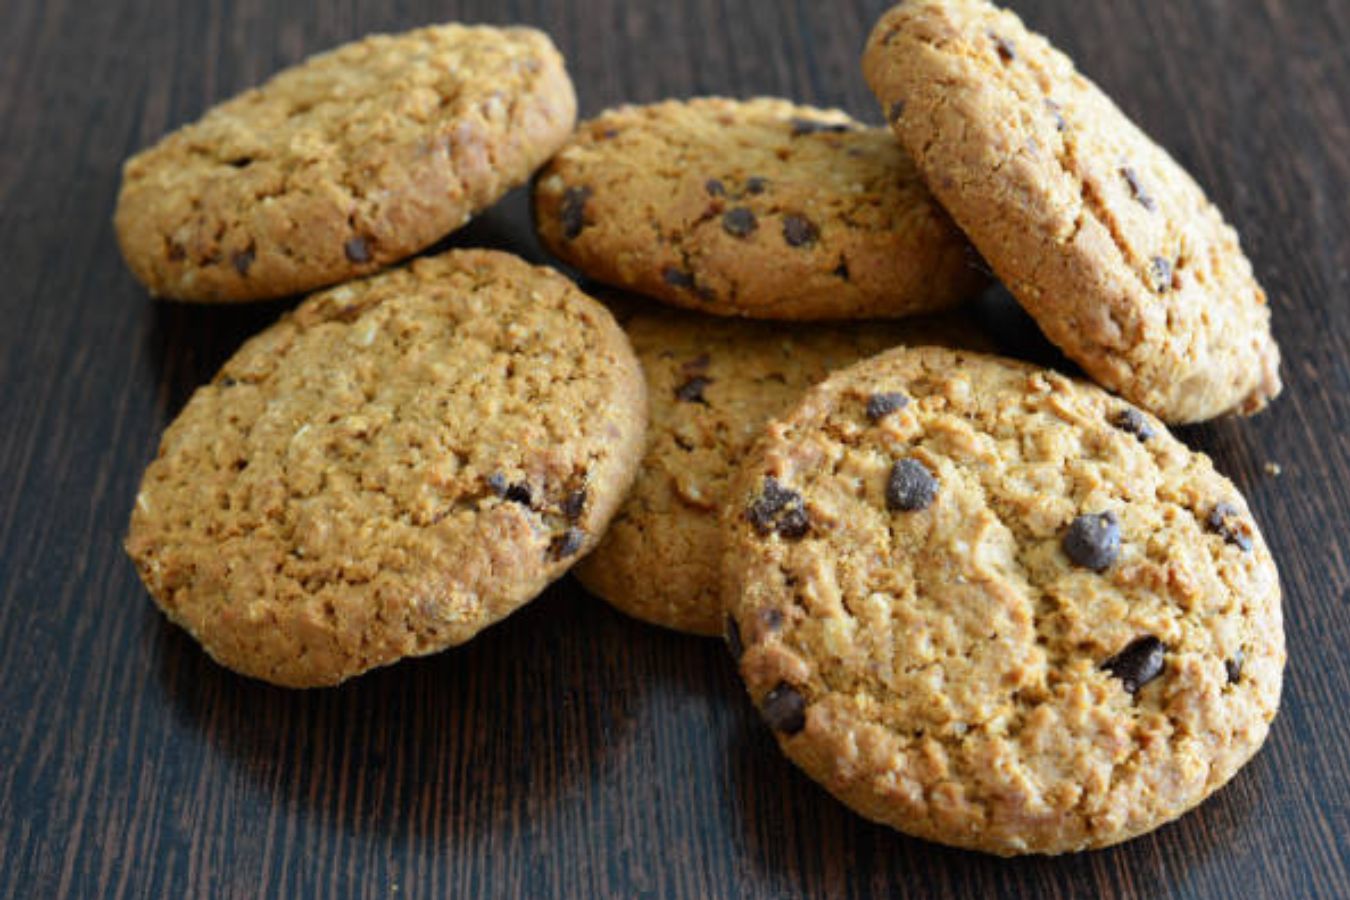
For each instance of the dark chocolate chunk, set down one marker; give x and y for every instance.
(1137, 187)
(1225, 520)
(1093, 541)
(784, 708)
(715, 188)
(357, 250)
(1234, 666)
(739, 222)
(779, 509)
(1161, 270)
(1132, 420)
(879, 406)
(678, 278)
(732, 633)
(567, 543)
(574, 504)
(692, 390)
(1006, 51)
(756, 185)
(896, 111)
(841, 270)
(1139, 663)
(572, 213)
(812, 126)
(243, 260)
(496, 483)
(799, 231)
(241, 162)
(519, 493)
(910, 487)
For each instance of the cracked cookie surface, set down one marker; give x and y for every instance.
(713, 384)
(1098, 232)
(1001, 618)
(754, 208)
(343, 164)
(391, 468)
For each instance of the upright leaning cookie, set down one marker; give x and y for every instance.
(752, 208)
(714, 384)
(1105, 240)
(350, 161)
(391, 468)
(1012, 614)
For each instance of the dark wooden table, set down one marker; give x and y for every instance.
(570, 751)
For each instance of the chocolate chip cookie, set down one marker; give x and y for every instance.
(714, 383)
(391, 468)
(343, 164)
(997, 608)
(1098, 232)
(752, 208)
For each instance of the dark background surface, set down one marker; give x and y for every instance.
(570, 751)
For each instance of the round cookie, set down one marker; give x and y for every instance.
(1012, 614)
(343, 164)
(391, 468)
(752, 208)
(714, 384)
(1098, 232)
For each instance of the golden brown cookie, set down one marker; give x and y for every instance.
(752, 208)
(997, 608)
(337, 167)
(714, 383)
(391, 468)
(1098, 232)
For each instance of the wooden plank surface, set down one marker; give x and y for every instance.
(570, 751)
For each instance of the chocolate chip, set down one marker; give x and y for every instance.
(841, 270)
(1093, 541)
(779, 509)
(1132, 420)
(357, 250)
(1057, 112)
(799, 231)
(784, 708)
(227, 382)
(1137, 188)
(896, 111)
(879, 406)
(1161, 270)
(496, 483)
(715, 188)
(811, 126)
(739, 222)
(678, 278)
(572, 213)
(692, 390)
(1006, 51)
(910, 487)
(519, 493)
(1234, 666)
(733, 637)
(567, 543)
(1225, 520)
(756, 185)
(574, 504)
(1139, 663)
(243, 259)
(771, 618)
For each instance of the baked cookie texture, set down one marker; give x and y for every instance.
(753, 208)
(1098, 232)
(343, 164)
(1010, 613)
(391, 468)
(714, 384)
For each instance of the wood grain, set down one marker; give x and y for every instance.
(569, 751)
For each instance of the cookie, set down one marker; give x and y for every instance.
(349, 161)
(391, 468)
(714, 384)
(752, 208)
(1109, 244)
(1010, 613)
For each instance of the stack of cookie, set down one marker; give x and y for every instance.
(979, 601)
